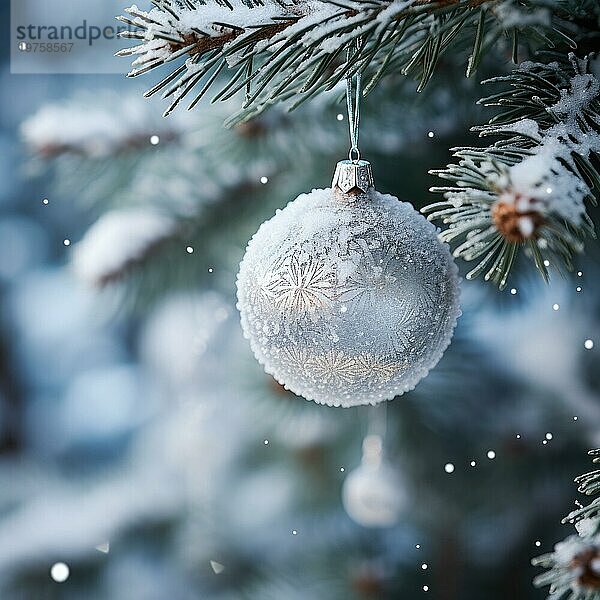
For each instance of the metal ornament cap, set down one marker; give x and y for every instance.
(353, 176)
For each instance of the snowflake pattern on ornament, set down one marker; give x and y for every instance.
(373, 288)
(300, 286)
(333, 367)
(348, 303)
(369, 366)
(295, 358)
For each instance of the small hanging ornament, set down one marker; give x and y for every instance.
(347, 295)
(373, 494)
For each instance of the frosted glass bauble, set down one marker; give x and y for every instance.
(348, 300)
(373, 495)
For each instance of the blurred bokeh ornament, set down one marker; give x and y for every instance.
(373, 494)
(346, 295)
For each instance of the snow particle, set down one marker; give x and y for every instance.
(575, 418)
(104, 547)
(549, 436)
(588, 344)
(430, 134)
(491, 454)
(418, 546)
(340, 117)
(424, 566)
(266, 442)
(579, 273)
(449, 468)
(45, 201)
(555, 306)
(544, 442)
(210, 269)
(538, 543)
(425, 588)
(294, 532)
(189, 250)
(342, 469)
(264, 180)
(154, 140)
(518, 436)
(548, 190)
(67, 242)
(59, 572)
(546, 263)
(472, 463)
(513, 291)
(217, 567)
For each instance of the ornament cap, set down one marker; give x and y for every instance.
(353, 176)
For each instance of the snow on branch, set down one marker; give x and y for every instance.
(279, 51)
(530, 188)
(119, 241)
(98, 126)
(574, 565)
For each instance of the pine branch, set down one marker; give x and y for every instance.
(96, 145)
(119, 242)
(574, 566)
(529, 189)
(283, 51)
(110, 150)
(588, 484)
(97, 127)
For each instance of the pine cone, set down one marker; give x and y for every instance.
(515, 225)
(587, 564)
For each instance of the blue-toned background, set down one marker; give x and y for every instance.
(140, 443)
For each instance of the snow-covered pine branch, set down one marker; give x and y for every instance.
(99, 126)
(588, 484)
(277, 50)
(100, 145)
(529, 189)
(119, 241)
(574, 566)
(110, 148)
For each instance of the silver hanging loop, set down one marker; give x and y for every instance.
(353, 177)
(354, 155)
(353, 88)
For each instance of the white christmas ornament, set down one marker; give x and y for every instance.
(347, 295)
(373, 494)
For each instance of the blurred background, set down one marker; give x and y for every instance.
(144, 454)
